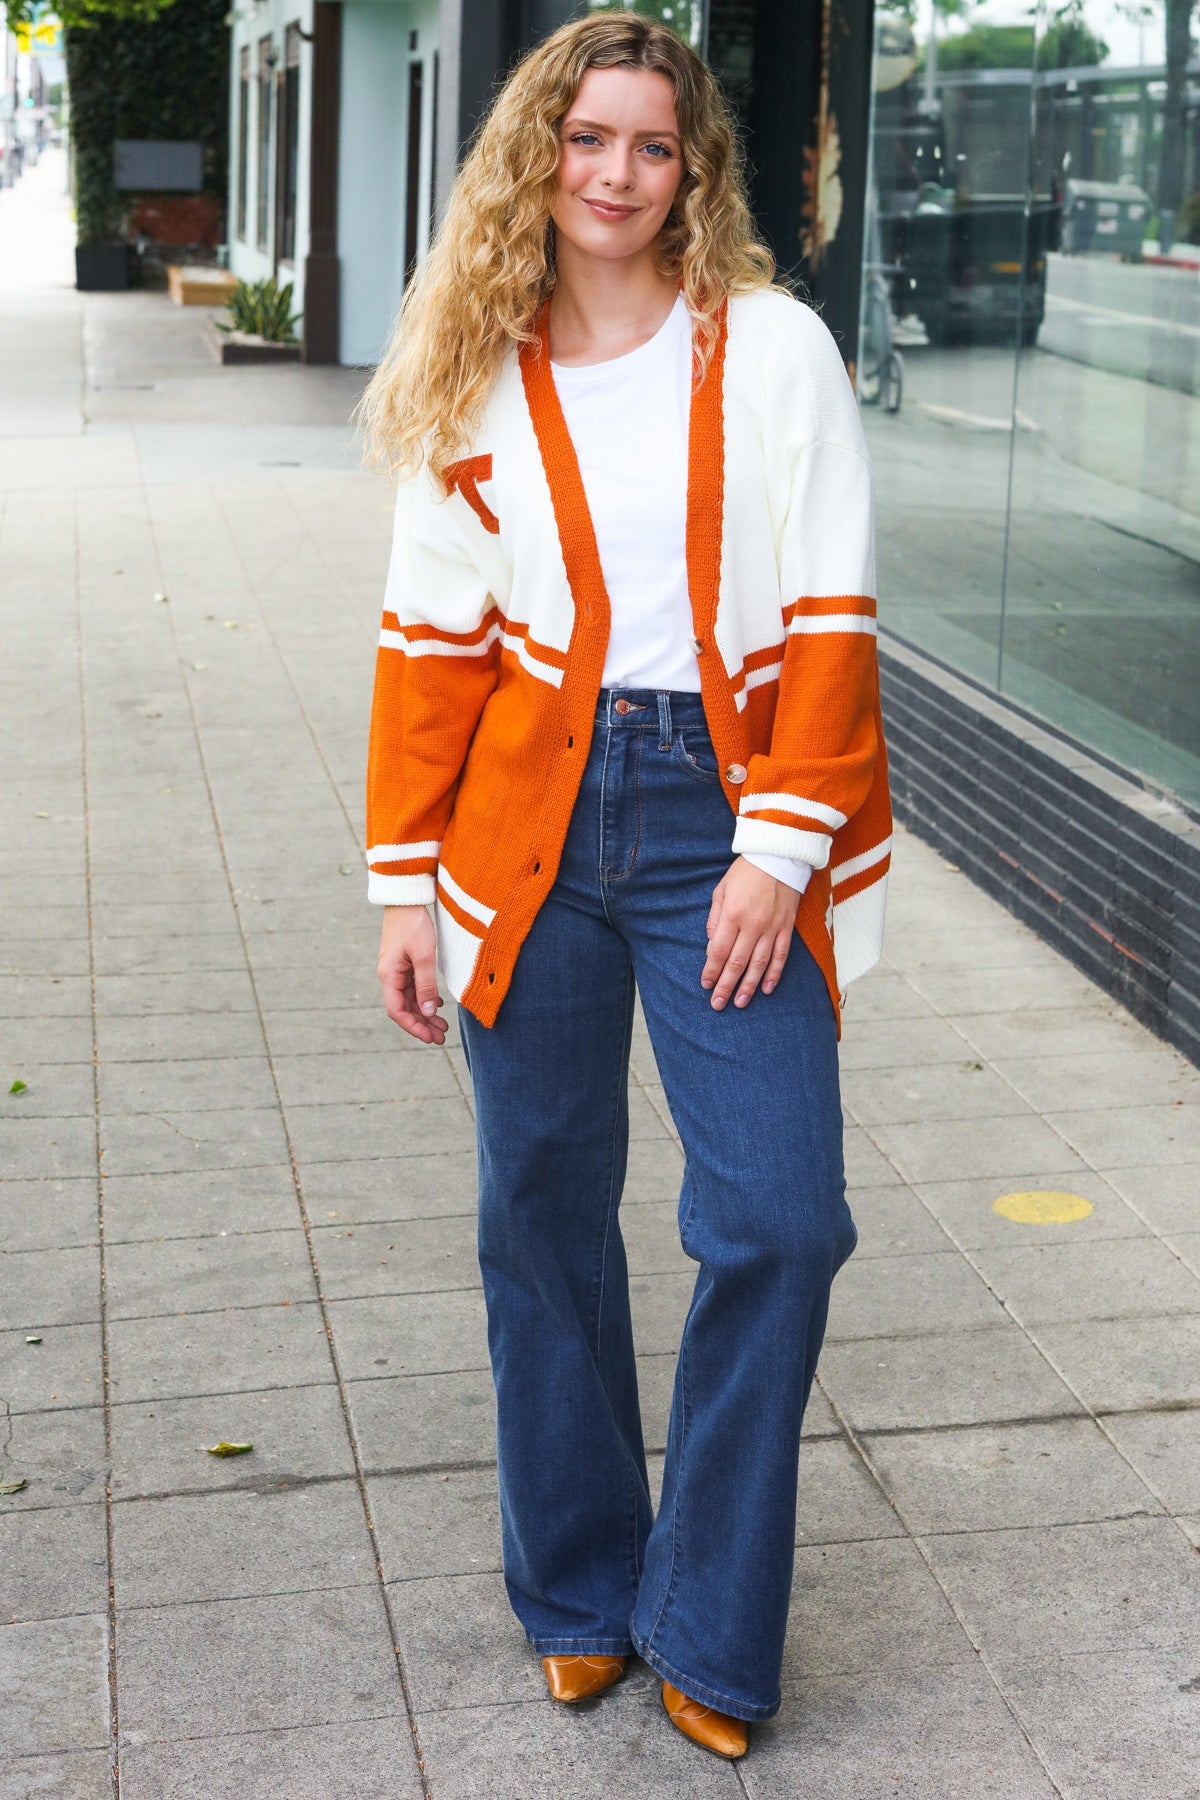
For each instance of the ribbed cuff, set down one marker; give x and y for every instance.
(761, 837)
(401, 890)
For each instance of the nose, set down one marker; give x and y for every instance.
(618, 170)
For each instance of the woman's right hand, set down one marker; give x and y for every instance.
(407, 973)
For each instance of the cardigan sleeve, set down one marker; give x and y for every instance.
(824, 739)
(436, 665)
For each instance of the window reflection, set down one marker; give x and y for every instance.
(1028, 265)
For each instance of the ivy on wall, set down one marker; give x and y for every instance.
(166, 78)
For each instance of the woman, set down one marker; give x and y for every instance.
(629, 604)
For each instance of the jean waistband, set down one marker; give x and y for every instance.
(650, 709)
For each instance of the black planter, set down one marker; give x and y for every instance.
(105, 268)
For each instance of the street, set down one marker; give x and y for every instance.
(237, 1205)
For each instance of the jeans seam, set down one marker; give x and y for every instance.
(673, 1572)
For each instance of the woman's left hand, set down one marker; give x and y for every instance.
(750, 929)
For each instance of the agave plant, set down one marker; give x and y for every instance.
(263, 309)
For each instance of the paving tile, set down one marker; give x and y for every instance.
(424, 1421)
(422, 1334)
(401, 1257)
(162, 1143)
(49, 1041)
(907, 1624)
(299, 1763)
(899, 1044)
(50, 1287)
(960, 1090)
(621, 1743)
(217, 1353)
(1124, 1136)
(63, 1370)
(462, 1643)
(651, 1234)
(202, 992)
(885, 1296)
(164, 918)
(918, 1734)
(154, 1037)
(222, 1546)
(1102, 1279)
(278, 989)
(1128, 1365)
(1164, 1447)
(385, 1128)
(892, 1221)
(958, 1149)
(1167, 1196)
(1093, 1030)
(351, 1076)
(659, 1304)
(60, 1453)
(178, 1275)
(362, 1191)
(169, 954)
(943, 1378)
(1079, 1711)
(45, 997)
(299, 1434)
(972, 946)
(1186, 1245)
(838, 1500)
(866, 1166)
(1046, 986)
(53, 1562)
(52, 1091)
(34, 1148)
(1124, 1585)
(251, 1665)
(1049, 1473)
(48, 1215)
(654, 1172)
(54, 1685)
(187, 1085)
(198, 1203)
(820, 1420)
(966, 1210)
(437, 1524)
(65, 1775)
(656, 1383)
(884, 994)
(1136, 1077)
(342, 1030)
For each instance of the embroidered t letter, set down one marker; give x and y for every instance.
(465, 476)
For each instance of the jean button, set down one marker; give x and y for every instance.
(621, 706)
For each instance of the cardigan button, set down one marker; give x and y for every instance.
(735, 773)
(697, 646)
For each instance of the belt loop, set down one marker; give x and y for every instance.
(664, 719)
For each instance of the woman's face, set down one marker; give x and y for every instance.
(621, 162)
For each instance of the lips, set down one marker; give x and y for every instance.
(614, 213)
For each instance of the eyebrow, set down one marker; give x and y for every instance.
(595, 125)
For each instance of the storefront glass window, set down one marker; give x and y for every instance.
(1029, 364)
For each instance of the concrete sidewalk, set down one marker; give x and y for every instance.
(237, 1204)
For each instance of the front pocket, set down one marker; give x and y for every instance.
(700, 762)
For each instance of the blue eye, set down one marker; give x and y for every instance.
(663, 149)
(581, 136)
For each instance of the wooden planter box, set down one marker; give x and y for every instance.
(193, 284)
(242, 347)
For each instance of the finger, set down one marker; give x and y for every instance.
(760, 957)
(425, 984)
(719, 947)
(715, 910)
(735, 963)
(783, 944)
(399, 998)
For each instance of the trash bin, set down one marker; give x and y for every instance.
(1104, 218)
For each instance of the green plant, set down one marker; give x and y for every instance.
(74, 13)
(1187, 225)
(262, 309)
(136, 75)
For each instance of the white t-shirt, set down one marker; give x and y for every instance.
(628, 421)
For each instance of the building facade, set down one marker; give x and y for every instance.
(1001, 225)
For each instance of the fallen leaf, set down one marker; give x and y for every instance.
(160, 596)
(40, 815)
(18, 1087)
(33, 1340)
(199, 665)
(226, 1449)
(13, 1487)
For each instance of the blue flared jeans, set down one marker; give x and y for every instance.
(700, 1590)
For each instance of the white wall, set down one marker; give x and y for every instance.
(252, 21)
(372, 163)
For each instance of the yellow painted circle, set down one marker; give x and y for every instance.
(1042, 1208)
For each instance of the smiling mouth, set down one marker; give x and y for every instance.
(608, 210)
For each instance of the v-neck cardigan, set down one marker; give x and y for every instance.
(495, 626)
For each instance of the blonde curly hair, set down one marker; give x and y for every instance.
(491, 267)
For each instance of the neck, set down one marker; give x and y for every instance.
(601, 309)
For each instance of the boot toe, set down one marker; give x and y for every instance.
(571, 1678)
(712, 1730)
